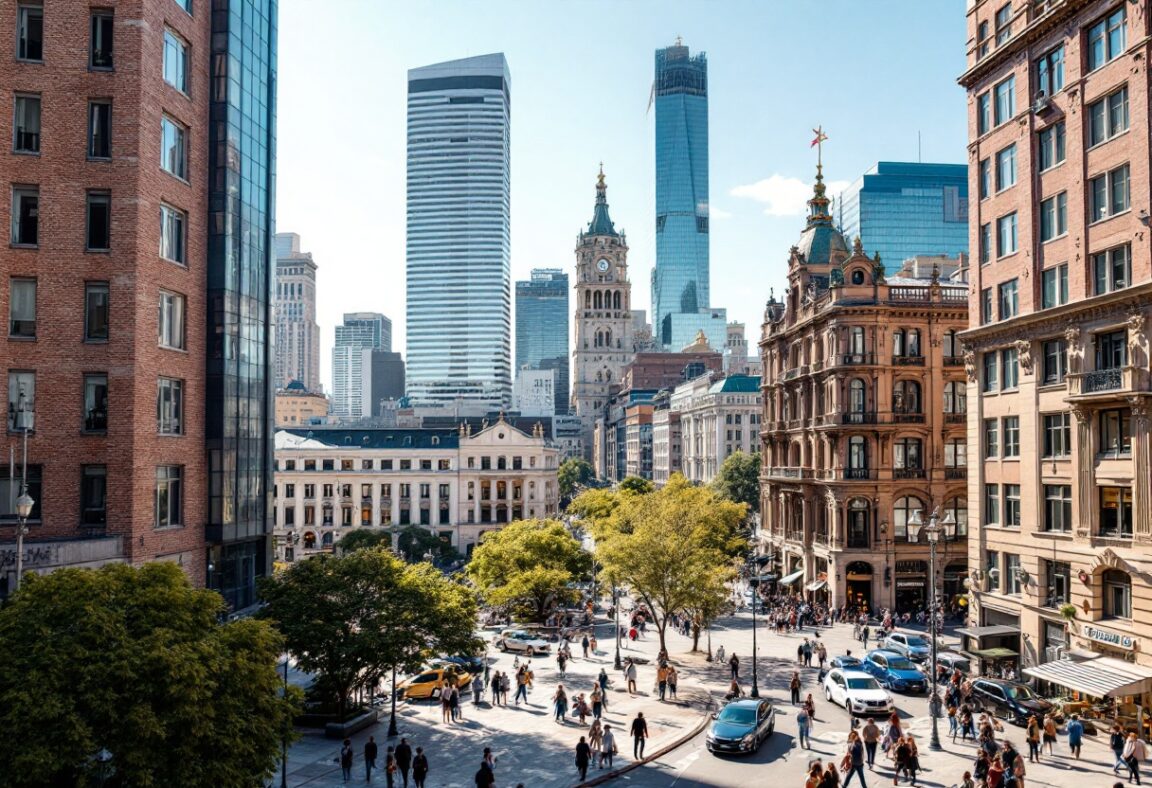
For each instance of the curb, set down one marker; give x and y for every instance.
(660, 753)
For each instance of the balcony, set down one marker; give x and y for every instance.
(1102, 380)
(861, 417)
(857, 474)
(905, 295)
(955, 473)
(908, 473)
(1107, 383)
(795, 372)
(955, 418)
(857, 359)
(907, 418)
(953, 361)
(908, 361)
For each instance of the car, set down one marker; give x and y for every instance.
(845, 662)
(430, 683)
(472, 664)
(1009, 700)
(741, 726)
(521, 641)
(895, 671)
(954, 661)
(912, 646)
(857, 692)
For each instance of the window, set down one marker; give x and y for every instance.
(857, 453)
(1117, 594)
(1012, 505)
(170, 406)
(96, 403)
(992, 561)
(172, 234)
(99, 237)
(1050, 71)
(1108, 117)
(22, 308)
(1106, 39)
(95, 311)
(1110, 269)
(171, 320)
(857, 398)
(907, 454)
(982, 40)
(955, 397)
(100, 129)
(986, 313)
(983, 113)
(1051, 147)
(906, 342)
(173, 148)
(985, 178)
(1055, 361)
(1006, 168)
(1006, 235)
(1012, 573)
(906, 397)
(185, 4)
(902, 513)
(1057, 435)
(100, 51)
(991, 438)
(1009, 299)
(1115, 432)
(175, 61)
(1059, 577)
(1011, 436)
(1054, 217)
(21, 401)
(1116, 511)
(9, 492)
(1111, 350)
(958, 508)
(1057, 507)
(956, 453)
(1005, 106)
(26, 124)
(25, 215)
(952, 344)
(990, 368)
(1003, 24)
(93, 494)
(1010, 368)
(1054, 286)
(991, 504)
(169, 496)
(29, 32)
(986, 242)
(1108, 194)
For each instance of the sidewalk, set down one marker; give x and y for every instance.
(530, 746)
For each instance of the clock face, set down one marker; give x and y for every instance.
(602, 266)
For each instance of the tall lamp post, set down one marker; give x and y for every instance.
(24, 503)
(284, 737)
(755, 565)
(932, 531)
(392, 729)
(617, 664)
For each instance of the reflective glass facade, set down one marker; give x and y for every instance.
(680, 276)
(239, 412)
(902, 209)
(459, 315)
(542, 327)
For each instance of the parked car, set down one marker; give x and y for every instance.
(431, 682)
(844, 662)
(895, 671)
(741, 726)
(472, 664)
(954, 661)
(857, 692)
(1008, 700)
(521, 641)
(912, 646)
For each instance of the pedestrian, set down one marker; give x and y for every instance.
(794, 686)
(673, 679)
(445, 705)
(995, 778)
(420, 768)
(720, 654)
(630, 675)
(1133, 754)
(734, 691)
(810, 704)
(1075, 735)
(595, 737)
(489, 759)
(505, 685)
(484, 777)
(494, 685)
(584, 644)
(913, 764)
(580, 706)
(870, 733)
(854, 760)
(404, 759)
(800, 651)
(592, 644)
(521, 686)
(1117, 740)
(981, 767)
(967, 782)
(639, 735)
(1019, 770)
(346, 759)
(803, 725)
(370, 751)
(596, 698)
(901, 754)
(602, 680)
(562, 664)
(477, 689)
(831, 777)
(662, 680)
(734, 664)
(1049, 733)
(1034, 740)
(454, 704)
(583, 756)
(607, 747)
(560, 703)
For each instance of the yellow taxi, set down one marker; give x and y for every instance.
(432, 681)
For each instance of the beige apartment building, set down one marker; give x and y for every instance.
(1057, 352)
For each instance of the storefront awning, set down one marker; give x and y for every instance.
(1101, 678)
(995, 653)
(788, 580)
(988, 631)
(816, 586)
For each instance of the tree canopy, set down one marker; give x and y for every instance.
(136, 662)
(739, 480)
(574, 472)
(363, 539)
(637, 485)
(528, 565)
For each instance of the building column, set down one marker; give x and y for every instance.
(1084, 455)
(1141, 472)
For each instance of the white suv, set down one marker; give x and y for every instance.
(857, 692)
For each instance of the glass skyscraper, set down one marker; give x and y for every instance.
(542, 328)
(680, 305)
(241, 255)
(459, 280)
(360, 331)
(903, 209)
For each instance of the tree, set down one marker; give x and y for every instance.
(529, 565)
(709, 601)
(415, 542)
(573, 473)
(739, 480)
(136, 662)
(352, 618)
(668, 546)
(636, 485)
(363, 539)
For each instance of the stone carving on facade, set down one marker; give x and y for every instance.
(1075, 351)
(1139, 406)
(969, 355)
(1137, 340)
(1079, 413)
(1024, 355)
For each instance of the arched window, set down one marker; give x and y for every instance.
(587, 299)
(597, 300)
(857, 396)
(902, 513)
(599, 339)
(856, 345)
(955, 397)
(857, 453)
(1117, 594)
(958, 508)
(906, 397)
(616, 300)
(859, 530)
(608, 337)
(858, 276)
(907, 455)
(327, 539)
(501, 465)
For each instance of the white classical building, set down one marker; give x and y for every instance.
(453, 482)
(718, 416)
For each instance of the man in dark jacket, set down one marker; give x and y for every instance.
(639, 734)
(370, 752)
(484, 776)
(403, 757)
(583, 756)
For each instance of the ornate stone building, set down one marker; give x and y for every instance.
(863, 423)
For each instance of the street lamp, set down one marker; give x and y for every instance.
(392, 729)
(618, 665)
(932, 532)
(754, 584)
(24, 506)
(284, 738)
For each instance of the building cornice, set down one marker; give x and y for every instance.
(1058, 12)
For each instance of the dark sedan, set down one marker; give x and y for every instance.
(1008, 700)
(741, 726)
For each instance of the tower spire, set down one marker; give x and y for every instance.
(601, 223)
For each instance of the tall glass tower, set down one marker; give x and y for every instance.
(680, 277)
(542, 327)
(359, 332)
(459, 279)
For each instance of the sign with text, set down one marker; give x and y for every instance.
(1109, 638)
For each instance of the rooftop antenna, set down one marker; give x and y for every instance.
(679, 41)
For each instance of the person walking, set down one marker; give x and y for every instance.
(794, 687)
(995, 774)
(404, 759)
(662, 680)
(454, 704)
(803, 726)
(901, 753)
(484, 776)
(1117, 740)
(1033, 738)
(607, 747)
(1133, 753)
(445, 705)
(1075, 735)
(584, 645)
(521, 686)
(673, 679)
(494, 685)
(639, 735)
(854, 760)
(583, 756)
(562, 664)
(489, 759)
(602, 680)
(477, 689)
(810, 704)
(419, 767)
(560, 703)
(595, 737)
(370, 751)
(630, 675)
(913, 764)
(734, 664)
(870, 733)
(596, 699)
(346, 759)
(1019, 770)
(734, 691)
(1049, 733)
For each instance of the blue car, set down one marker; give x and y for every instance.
(895, 671)
(846, 663)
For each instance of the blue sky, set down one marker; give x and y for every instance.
(872, 72)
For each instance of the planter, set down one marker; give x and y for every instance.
(342, 730)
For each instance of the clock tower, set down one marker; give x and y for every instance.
(604, 341)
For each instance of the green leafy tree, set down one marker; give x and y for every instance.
(709, 601)
(363, 539)
(136, 662)
(739, 480)
(352, 618)
(636, 485)
(528, 565)
(415, 542)
(574, 473)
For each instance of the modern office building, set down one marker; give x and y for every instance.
(542, 328)
(459, 281)
(534, 392)
(137, 283)
(1057, 351)
(680, 278)
(360, 331)
(297, 332)
(902, 209)
(382, 379)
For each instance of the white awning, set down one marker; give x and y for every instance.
(816, 586)
(788, 580)
(1101, 678)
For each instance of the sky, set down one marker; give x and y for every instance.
(872, 73)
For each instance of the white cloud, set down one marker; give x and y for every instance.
(718, 213)
(784, 196)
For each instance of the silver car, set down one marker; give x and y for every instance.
(521, 641)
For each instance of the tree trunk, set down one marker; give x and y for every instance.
(695, 637)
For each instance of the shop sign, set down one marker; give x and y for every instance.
(909, 583)
(1110, 638)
